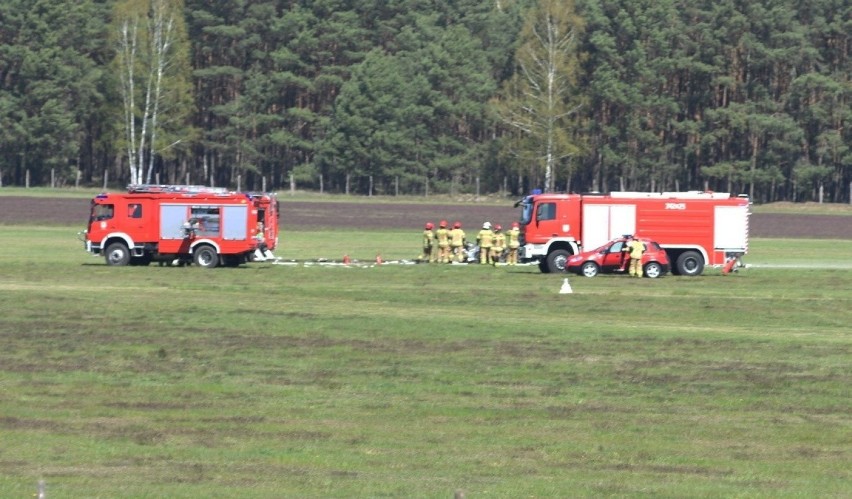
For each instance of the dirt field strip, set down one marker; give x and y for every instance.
(20, 210)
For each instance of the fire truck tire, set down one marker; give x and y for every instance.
(590, 269)
(542, 266)
(205, 256)
(117, 254)
(557, 260)
(653, 270)
(690, 263)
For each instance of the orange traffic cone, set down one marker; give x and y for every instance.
(346, 260)
(378, 258)
(729, 265)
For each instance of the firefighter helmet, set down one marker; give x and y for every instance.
(498, 227)
(515, 225)
(429, 226)
(457, 225)
(443, 224)
(486, 225)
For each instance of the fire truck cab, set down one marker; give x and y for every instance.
(187, 224)
(696, 229)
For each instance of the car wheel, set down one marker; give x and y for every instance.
(557, 260)
(117, 254)
(206, 257)
(690, 263)
(653, 270)
(590, 269)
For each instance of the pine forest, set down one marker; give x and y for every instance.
(404, 97)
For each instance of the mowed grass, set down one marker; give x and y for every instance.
(419, 380)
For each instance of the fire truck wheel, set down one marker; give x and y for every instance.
(557, 259)
(590, 269)
(205, 256)
(117, 254)
(690, 263)
(653, 270)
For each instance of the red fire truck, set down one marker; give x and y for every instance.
(696, 229)
(180, 223)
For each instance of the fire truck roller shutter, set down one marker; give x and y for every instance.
(731, 228)
(235, 222)
(172, 218)
(604, 222)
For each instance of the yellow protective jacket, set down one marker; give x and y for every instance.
(499, 240)
(485, 238)
(427, 238)
(456, 238)
(636, 249)
(513, 238)
(443, 237)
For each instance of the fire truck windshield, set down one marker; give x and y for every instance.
(526, 211)
(102, 212)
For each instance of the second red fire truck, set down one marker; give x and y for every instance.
(178, 223)
(696, 229)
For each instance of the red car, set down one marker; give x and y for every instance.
(610, 258)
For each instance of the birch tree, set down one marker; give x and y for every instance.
(150, 61)
(539, 100)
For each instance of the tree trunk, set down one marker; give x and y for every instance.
(161, 33)
(127, 57)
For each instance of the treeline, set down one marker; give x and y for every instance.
(408, 97)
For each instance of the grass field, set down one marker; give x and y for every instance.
(420, 380)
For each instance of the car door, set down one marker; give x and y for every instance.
(614, 258)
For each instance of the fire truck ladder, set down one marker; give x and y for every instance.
(179, 189)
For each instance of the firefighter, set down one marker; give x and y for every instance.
(261, 253)
(513, 241)
(428, 242)
(457, 240)
(485, 240)
(636, 249)
(191, 228)
(499, 244)
(443, 237)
